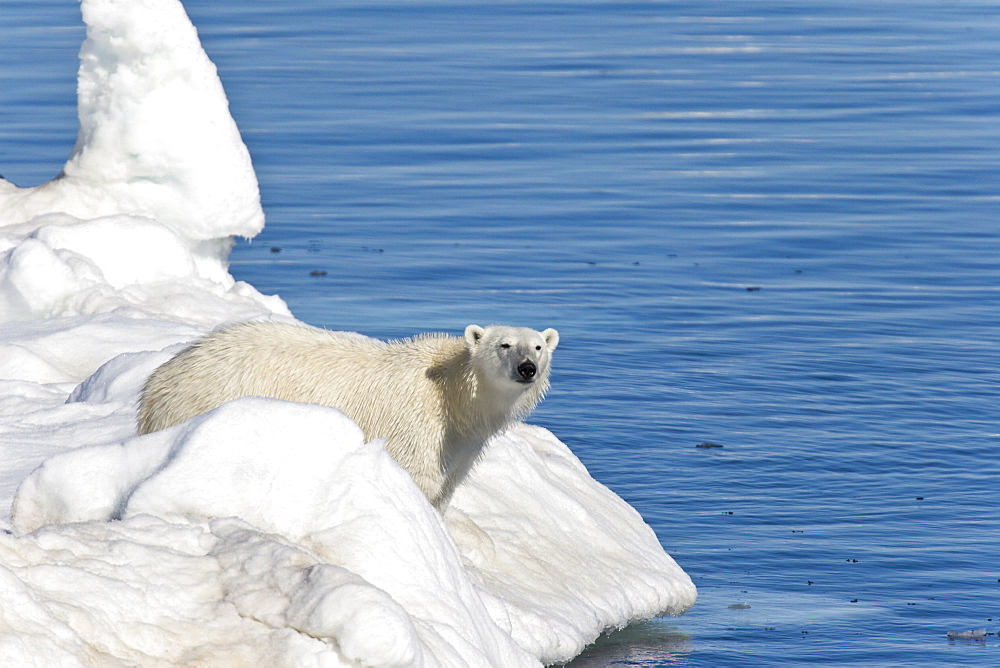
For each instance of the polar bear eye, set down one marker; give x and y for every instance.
(538, 347)
(505, 345)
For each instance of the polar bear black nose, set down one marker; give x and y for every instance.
(527, 369)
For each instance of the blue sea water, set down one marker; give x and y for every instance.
(772, 227)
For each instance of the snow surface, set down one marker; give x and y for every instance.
(263, 533)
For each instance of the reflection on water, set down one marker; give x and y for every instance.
(649, 643)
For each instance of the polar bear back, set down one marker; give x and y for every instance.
(303, 364)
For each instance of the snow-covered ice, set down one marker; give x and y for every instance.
(156, 137)
(971, 634)
(263, 533)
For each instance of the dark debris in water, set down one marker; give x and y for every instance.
(707, 445)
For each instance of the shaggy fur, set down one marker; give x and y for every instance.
(436, 399)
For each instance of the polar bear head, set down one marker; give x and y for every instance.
(515, 357)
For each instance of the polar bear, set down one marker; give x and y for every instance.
(436, 399)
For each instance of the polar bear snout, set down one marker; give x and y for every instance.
(527, 371)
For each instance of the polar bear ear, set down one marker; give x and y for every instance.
(551, 337)
(474, 334)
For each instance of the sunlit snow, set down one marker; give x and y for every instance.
(263, 533)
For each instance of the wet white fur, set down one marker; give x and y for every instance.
(436, 399)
